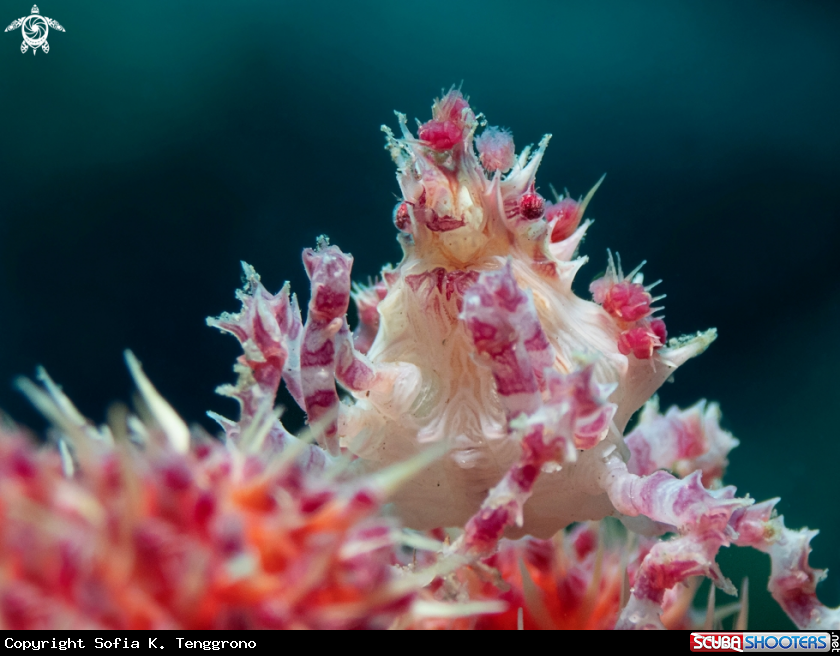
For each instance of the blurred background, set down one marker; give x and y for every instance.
(159, 143)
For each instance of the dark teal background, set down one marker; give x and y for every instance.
(158, 143)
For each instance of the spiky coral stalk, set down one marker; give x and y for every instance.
(148, 534)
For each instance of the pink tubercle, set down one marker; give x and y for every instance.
(624, 300)
(402, 219)
(440, 135)
(639, 341)
(531, 206)
(452, 108)
(658, 328)
(564, 216)
(451, 117)
(495, 149)
(628, 302)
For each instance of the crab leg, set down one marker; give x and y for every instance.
(497, 312)
(329, 273)
(500, 317)
(792, 580)
(701, 519)
(269, 329)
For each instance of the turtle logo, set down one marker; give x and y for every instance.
(35, 29)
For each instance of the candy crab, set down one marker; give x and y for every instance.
(476, 341)
(443, 354)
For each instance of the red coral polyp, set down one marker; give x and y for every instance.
(531, 206)
(495, 149)
(174, 545)
(624, 300)
(441, 135)
(564, 216)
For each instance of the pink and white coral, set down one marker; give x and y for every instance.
(477, 369)
(142, 525)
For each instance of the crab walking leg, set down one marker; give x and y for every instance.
(702, 520)
(497, 314)
(353, 369)
(546, 439)
(706, 521)
(692, 443)
(494, 309)
(329, 272)
(576, 415)
(269, 329)
(681, 441)
(793, 582)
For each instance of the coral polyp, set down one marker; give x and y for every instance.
(478, 409)
(154, 533)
